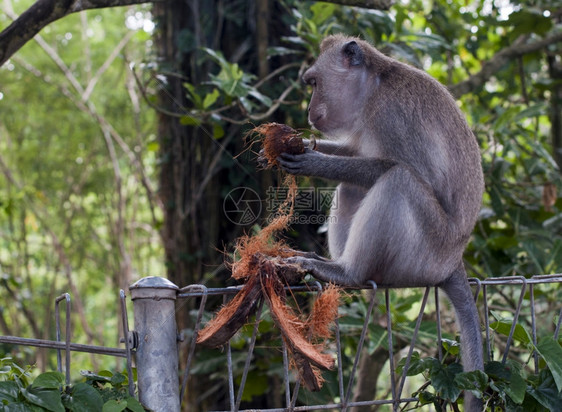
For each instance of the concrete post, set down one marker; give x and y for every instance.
(157, 352)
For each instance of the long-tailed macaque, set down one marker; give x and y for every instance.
(410, 179)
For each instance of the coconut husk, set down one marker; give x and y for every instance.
(260, 264)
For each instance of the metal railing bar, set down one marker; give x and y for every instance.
(487, 322)
(309, 287)
(438, 321)
(250, 353)
(332, 405)
(295, 395)
(534, 327)
(196, 328)
(390, 350)
(413, 342)
(286, 374)
(66, 297)
(360, 344)
(515, 316)
(339, 357)
(230, 373)
(127, 340)
(52, 344)
(557, 331)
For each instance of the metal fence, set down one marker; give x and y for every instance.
(153, 344)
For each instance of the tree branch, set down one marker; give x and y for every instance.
(517, 49)
(43, 12)
(367, 4)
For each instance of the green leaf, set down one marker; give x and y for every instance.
(321, 12)
(546, 392)
(517, 388)
(115, 405)
(551, 352)
(497, 370)
(443, 380)
(218, 131)
(187, 120)
(84, 398)
(210, 99)
(9, 391)
(50, 399)
(49, 380)
(474, 381)
(20, 407)
(134, 405)
(451, 346)
(520, 334)
(118, 379)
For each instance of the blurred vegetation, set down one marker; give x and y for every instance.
(119, 131)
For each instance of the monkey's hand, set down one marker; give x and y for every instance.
(309, 163)
(262, 160)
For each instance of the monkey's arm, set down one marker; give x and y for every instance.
(361, 171)
(330, 147)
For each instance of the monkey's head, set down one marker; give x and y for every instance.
(343, 79)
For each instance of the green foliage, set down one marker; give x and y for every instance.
(510, 386)
(48, 392)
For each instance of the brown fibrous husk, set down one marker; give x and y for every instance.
(278, 138)
(260, 264)
(324, 312)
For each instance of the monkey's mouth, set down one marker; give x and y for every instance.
(316, 121)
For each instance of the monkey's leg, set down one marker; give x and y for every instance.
(399, 236)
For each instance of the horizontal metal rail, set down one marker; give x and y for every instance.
(52, 344)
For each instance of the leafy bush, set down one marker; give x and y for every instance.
(509, 386)
(48, 391)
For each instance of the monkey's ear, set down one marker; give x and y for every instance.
(353, 53)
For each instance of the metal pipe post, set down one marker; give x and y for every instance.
(157, 352)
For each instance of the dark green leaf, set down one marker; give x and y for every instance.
(443, 380)
(9, 391)
(517, 388)
(50, 399)
(83, 398)
(134, 405)
(114, 405)
(49, 380)
(551, 352)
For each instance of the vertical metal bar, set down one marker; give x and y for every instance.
(534, 327)
(340, 359)
(414, 336)
(487, 322)
(295, 395)
(438, 320)
(286, 375)
(360, 345)
(64, 296)
(154, 301)
(128, 343)
(557, 331)
(390, 350)
(515, 318)
(249, 357)
(230, 376)
(204, 291)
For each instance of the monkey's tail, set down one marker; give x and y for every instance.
(459, 292)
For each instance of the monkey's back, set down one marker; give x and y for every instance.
(416, 121)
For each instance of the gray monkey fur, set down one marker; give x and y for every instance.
(410, 179)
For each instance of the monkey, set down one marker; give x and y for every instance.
(409, 176)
